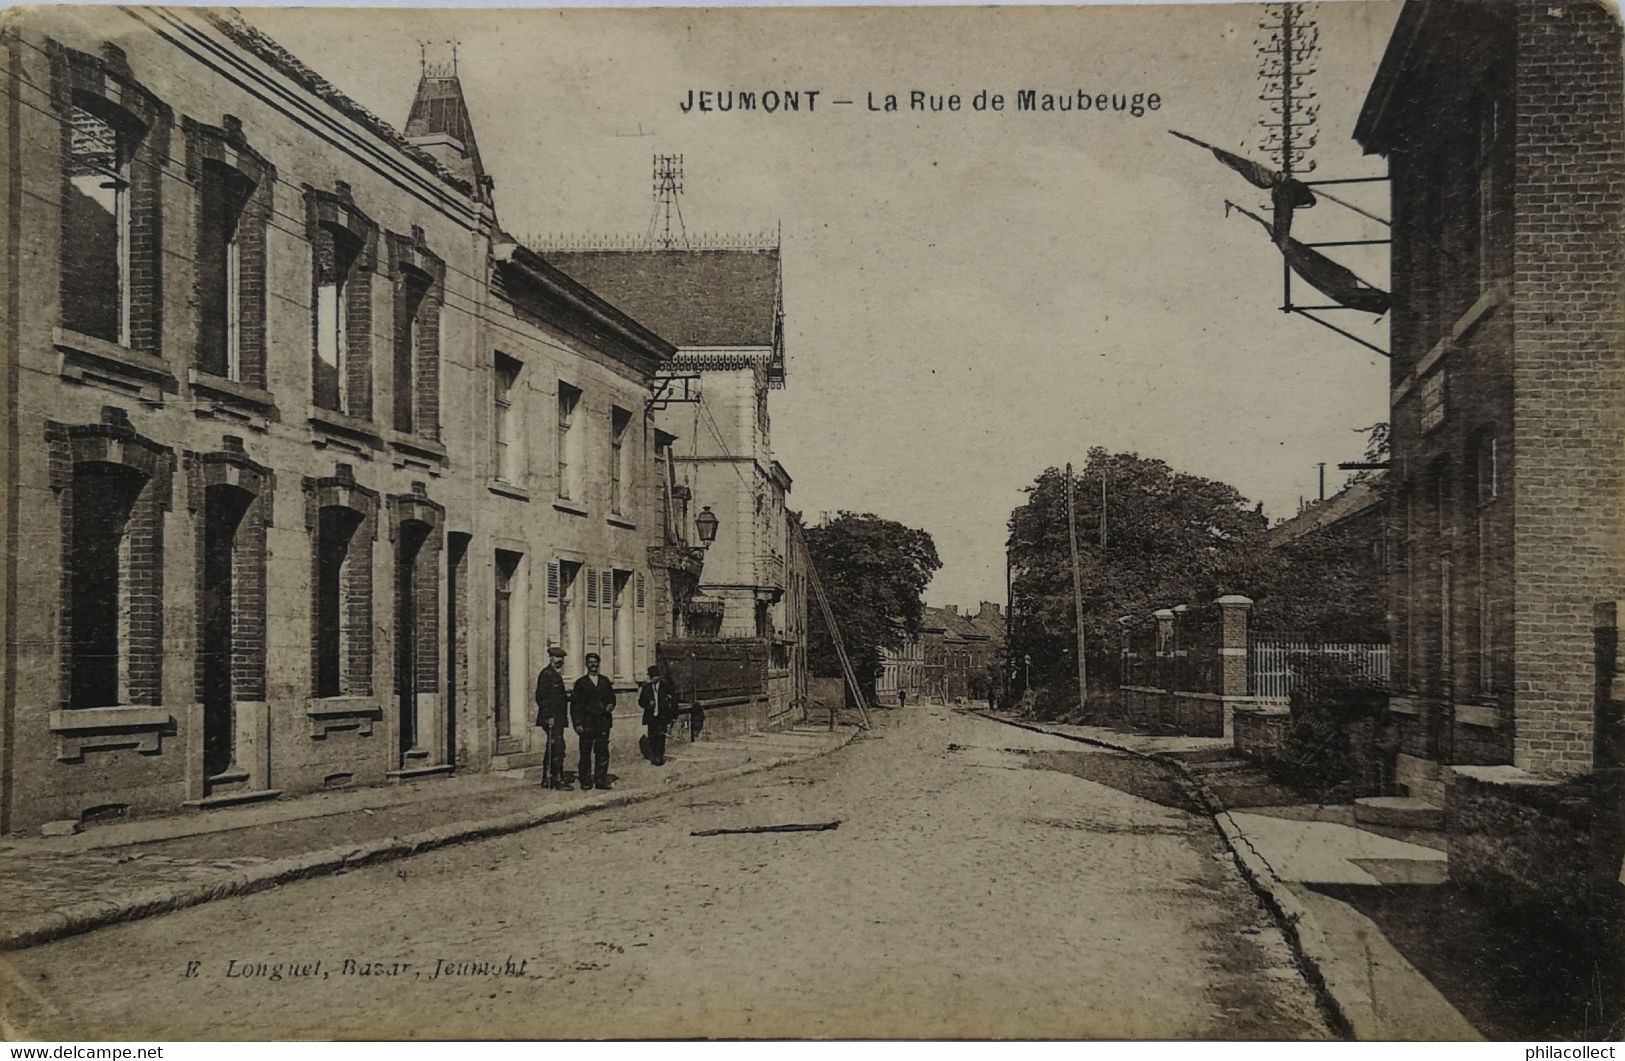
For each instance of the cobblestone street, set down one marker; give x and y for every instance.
(984, 881)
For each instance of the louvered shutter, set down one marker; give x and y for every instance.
(589, 618)
(641, 658)
(550, 618)
(613, 664)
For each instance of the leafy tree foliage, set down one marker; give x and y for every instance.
(1170, 538)
(873, 571)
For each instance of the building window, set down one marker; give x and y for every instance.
(344, 254)
(623, 625)
(341, 577)
(224, 193)
(619, 484)
(410, 338)
(101, 575)
(1494, 168)
(96, 221)
(569, 429)
(508, 638)
(563, 588)
(337, 252)
(507, 440)
(418, 297)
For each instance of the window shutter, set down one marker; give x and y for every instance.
(606, 620)
(553, 582)
(590, 613)
(641, 658)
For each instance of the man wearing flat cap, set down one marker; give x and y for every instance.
(552, 709)
(592, 712)
(659, 702)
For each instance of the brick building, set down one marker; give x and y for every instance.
(1504, 131)
(295, 498)
(955, 657)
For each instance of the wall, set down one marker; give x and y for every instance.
(269, 440)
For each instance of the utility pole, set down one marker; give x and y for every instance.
(1077, 583)
(1322, 467)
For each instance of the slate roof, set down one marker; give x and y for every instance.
(263, 46)
(1345, 504)
(693, 298)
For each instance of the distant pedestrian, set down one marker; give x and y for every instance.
(659, 702)
(592, 713)
(902, 698)
(552, 708)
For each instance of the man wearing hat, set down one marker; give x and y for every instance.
(659, 702)
(592, 712)
(552, 707)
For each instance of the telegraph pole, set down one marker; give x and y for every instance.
(1077, 583)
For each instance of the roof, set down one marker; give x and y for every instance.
(438, 109)
(694, 298)
(1462, 38)
(573, 305)
(1344, 505)
(264, 47)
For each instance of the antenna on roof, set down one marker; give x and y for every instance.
(668, 185)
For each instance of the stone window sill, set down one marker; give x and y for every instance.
(622, 522)
(329, 713)
(334, 422)
(234, 399)
(502, 489)
(414, 451)
(137, 726)
(86, 359)
(417, 444)
(1476, 715)
(565, 505)
(123, 716)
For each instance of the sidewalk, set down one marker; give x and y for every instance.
(1285, 849)
(61, 886)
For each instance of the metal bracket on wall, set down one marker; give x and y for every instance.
(678, 388)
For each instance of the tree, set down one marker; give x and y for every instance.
(1170, 538)
(1376, 452)
(873, 571)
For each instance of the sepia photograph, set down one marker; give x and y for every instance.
(1071, 522)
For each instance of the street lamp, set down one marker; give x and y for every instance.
(706, 524)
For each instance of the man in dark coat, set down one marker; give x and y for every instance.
(552, 711)
(659, 702)
(592, 712)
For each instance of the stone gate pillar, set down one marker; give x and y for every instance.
(1233, 610)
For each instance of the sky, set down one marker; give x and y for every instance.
(970, 297)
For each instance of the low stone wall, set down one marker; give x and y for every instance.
(1259, 733)
(1141, 706)
(1555, 843)
(1199, 714)
(1547, 853)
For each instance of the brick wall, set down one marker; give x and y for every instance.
(1569, 375)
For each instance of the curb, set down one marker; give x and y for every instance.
(150, 902)
(1348, 1007)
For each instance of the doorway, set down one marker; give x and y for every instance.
(224, 507)
(413, 534)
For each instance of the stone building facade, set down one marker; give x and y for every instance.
(723, 308)
(295, 496)
(1504, 131)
